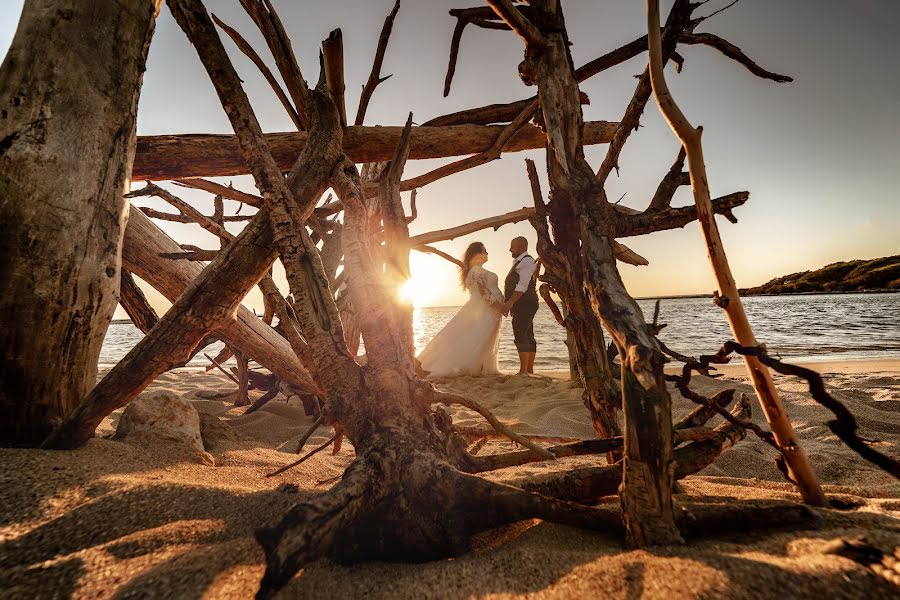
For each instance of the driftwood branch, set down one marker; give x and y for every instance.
(461, 230)
(492, 153)
(788, 444)
(250, 53)
(519, 23)
(135, 303)
(224, 191)
(269, 24)
(186, 209)
(844, 425)
(214, 155)
(182, 218)
(435, 396)
(436, 252)
(677, 23)
(333, 55)
(628, 225)
(733, 52)
(199, 255)
(476, 16)
(674, 179)
(375, 78)
(304, 458)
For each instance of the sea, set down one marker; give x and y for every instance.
(800, 328)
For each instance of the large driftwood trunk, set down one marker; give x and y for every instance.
(69, 90)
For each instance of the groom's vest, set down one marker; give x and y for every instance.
(512, 280)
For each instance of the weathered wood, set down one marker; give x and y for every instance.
(578, 197)
(436, 252)
(272, 30)
(254, 57)
(470, 162)
(492, 462)
(651, 221)
(209, 155)
(69, 89)
(375, 79)
(440, 235)
(194, 215)
(733, 52)
(135, 303)
(222, 190)
(396, 441)
(778, 419)
(588, 483)
(142, 251)
(395, 234)
(209, 303)
(333, 55)
(584, 333)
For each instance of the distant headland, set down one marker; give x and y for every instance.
(877, 274)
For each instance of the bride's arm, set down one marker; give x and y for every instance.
(485, 292)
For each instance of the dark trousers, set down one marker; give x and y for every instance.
(523, 313)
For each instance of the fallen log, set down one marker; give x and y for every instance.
(141, 254)
(160, 157)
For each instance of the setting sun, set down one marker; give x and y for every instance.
(434, 282)
(416, 291)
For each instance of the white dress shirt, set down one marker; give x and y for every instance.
(525, 268)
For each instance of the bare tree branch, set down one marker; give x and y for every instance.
(733, 52)
(248, 50)
(492, 153)
(375, 78)
(436, 252)
(518, 22)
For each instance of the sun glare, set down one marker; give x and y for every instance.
(412, 292)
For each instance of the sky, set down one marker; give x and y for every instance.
(819, 156)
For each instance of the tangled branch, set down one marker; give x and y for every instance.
(844, 425)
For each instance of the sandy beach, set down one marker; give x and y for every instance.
(143, 517)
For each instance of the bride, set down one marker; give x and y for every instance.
(468, 344)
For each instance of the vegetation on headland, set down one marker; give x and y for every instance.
(849, 276)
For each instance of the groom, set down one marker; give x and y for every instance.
(522, 302)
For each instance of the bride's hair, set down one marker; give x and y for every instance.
(474, 249)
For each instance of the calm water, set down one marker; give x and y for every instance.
(801, 328)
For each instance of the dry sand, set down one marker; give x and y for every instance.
(122, 519)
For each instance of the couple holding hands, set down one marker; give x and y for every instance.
(469, 343)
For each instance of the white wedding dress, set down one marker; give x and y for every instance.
(468, 344)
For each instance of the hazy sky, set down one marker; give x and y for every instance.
(820, 156)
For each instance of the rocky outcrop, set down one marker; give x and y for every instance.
(849, 276)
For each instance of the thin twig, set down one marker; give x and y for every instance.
(734, 53)
(303, 458)
(308, 433)
(449, 399)
(219, 367)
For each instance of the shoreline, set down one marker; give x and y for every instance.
(847, 366)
